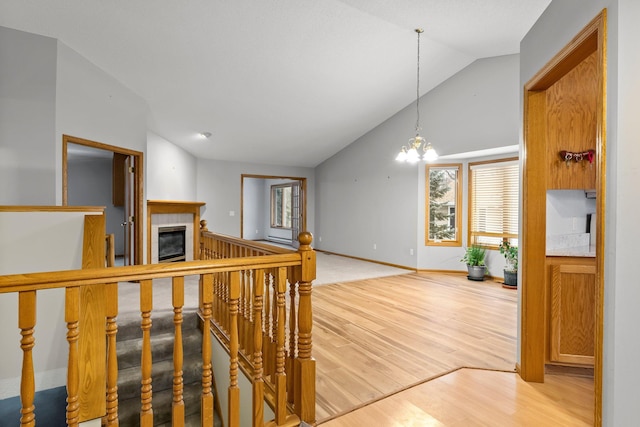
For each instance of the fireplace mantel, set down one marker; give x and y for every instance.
(155, 207)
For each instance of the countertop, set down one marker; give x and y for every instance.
(587, 251)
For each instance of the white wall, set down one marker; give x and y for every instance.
(567, 211)
(55, 243)
(560, 22)
(171, 171)
(219, 187)
(364, 197)
(27, 118)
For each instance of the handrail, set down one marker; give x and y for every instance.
(132, 273)
(211, 273)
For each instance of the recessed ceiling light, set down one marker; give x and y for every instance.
(205, 135)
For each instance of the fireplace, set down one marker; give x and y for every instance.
(171, 243)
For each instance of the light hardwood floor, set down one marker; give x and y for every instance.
(385, 337)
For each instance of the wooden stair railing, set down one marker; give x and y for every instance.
(221, 294)
(272, 320)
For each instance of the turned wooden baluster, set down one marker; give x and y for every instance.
(258, 381)
(146, 305)
(111, 418)
(177, 409)
(292, 340)
(72, 317)
(234, 390)
(280, 377)
(247, 330)
(270, 345)
(305, 365)
(270, 354)
(27, 323)
(206, 400)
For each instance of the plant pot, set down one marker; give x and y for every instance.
(476, 272)
(510, 278)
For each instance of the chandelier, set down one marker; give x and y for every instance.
(410, 152)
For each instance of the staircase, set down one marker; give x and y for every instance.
(129, 347)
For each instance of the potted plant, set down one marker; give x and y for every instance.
(510, 253)
(474, 258)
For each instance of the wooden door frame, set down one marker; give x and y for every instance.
(533, 333)
(138, 190)
(303, 187)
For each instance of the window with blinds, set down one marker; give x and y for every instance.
(493, 202)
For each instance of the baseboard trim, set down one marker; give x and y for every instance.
(404, 267)
(575, 371)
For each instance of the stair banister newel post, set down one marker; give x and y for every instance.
(293, 336)
(305, 365)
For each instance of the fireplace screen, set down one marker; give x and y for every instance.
(171, 244)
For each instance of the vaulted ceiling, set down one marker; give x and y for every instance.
(288, 82)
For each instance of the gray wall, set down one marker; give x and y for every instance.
(91, 104)
(90, 184)
(171, 171)
(364, 197)
(27, 118)
(253, 204)
(560, 22)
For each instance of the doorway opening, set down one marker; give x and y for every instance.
(88, 167)
(564, 108)
(273, 208)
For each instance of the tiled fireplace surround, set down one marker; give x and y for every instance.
(163, 213)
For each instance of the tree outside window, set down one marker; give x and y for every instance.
(444, 192)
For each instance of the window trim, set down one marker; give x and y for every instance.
(458, 240)
(273, 205)
(470, 200)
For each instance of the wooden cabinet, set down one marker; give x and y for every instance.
(571, 119)
(118, 178)
(572, 291)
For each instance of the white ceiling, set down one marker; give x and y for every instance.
(287, 82)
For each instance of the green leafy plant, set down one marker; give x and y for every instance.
(510, 253)
(474, 256)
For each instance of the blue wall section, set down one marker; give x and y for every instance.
(50, 408)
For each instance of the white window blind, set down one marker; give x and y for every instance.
(493, 203)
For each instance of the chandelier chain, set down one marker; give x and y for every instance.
(419, 31)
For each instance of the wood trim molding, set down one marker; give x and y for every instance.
(155, 207)
(592, 38)
(303, 188)
(138, 183)
(404, 267)
(97, 209)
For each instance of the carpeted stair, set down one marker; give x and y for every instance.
(129, 347)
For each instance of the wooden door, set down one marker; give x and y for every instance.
(129, 218)
(573, 304)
